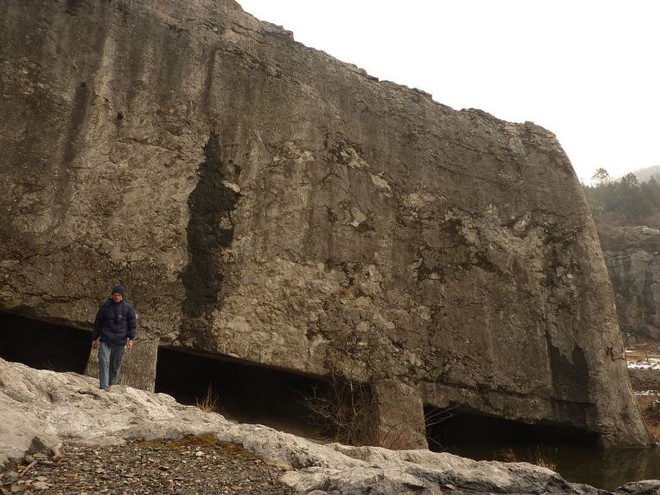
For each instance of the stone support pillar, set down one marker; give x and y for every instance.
(138, 369)
(400, 416)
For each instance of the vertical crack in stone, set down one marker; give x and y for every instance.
(210, 232)
(63, 176)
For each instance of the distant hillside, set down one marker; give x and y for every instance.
(626, 202)
(644, 174)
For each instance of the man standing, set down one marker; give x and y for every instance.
(115, 325)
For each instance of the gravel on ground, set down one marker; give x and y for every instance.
(197, 465)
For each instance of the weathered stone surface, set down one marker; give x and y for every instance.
(634, 268)
(648, 487)
(47, 409)
(262, 200)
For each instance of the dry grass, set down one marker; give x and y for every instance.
(508, 455)
(539, 459)
(345, 410)
(654, 430)
(648, 404)
(643, 350)
(650, 407)
(546, 463)
(208, 403)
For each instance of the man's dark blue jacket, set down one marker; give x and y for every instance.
(115, 322)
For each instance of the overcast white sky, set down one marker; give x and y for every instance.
(587, 70)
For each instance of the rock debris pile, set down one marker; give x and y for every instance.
(193, 465)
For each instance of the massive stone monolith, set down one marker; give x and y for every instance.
(262, 200)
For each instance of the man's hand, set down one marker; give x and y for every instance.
(129, 345)
(95, 344)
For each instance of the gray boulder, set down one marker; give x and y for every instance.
(44, 410)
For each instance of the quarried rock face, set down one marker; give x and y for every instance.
(632, 263)
(261, 200)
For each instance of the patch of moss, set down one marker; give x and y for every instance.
(205, 441)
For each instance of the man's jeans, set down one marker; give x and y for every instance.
(110, 357)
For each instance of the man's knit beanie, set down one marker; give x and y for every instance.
(118, 289)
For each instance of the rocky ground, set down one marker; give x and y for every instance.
(193, 465)
(60, 435)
